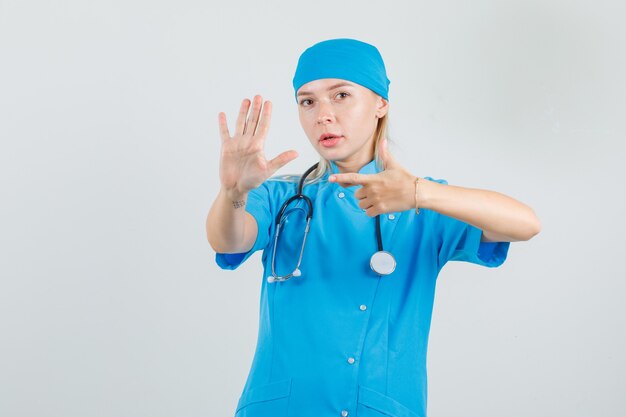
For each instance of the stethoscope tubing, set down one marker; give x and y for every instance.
(388, 257)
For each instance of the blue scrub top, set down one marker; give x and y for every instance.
(341, 340)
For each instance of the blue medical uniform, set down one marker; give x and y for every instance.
(341, 340)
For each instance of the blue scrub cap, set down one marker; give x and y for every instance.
(348, 59)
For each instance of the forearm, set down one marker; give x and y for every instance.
(225, 223)
(487, 210)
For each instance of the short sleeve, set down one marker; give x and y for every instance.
(258, 205)
(460, 241)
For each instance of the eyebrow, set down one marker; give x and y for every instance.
(341, 84)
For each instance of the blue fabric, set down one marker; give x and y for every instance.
(309, 326)
(344, 58)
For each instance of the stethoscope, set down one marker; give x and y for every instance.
(381, 262)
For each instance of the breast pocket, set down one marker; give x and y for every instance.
(371, 403)
(265, 400)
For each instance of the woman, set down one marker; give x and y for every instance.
(344, 318)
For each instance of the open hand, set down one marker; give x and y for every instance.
(242, 160)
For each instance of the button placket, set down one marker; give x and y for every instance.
(353, 361)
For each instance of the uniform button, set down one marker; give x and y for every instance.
(363, 307)
(341, 195)
(391, 217)
(350, 361)
(344, 413)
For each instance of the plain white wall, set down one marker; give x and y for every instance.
(111, 303)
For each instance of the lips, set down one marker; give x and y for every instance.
(328, 135)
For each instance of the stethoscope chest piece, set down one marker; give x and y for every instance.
(383, 262)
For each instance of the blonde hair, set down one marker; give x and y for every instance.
(382, 131)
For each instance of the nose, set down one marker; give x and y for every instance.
(325, 114)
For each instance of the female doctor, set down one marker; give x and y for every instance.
(351, 253)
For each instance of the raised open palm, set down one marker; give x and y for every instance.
(242, 160)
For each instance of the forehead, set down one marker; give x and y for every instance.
(325, 84)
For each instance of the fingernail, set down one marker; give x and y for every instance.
(332, 178)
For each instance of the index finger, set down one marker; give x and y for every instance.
(350, 178)
(224, 133)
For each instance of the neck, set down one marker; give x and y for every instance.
(352, 166)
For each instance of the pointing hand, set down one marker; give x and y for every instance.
(391, 190)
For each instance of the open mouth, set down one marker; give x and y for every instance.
(329, 136)
(330, 140)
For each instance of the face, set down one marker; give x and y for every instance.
(344, 109)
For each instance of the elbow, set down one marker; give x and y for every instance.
(213, 246)
(533, 228)
(214, 242)
(533, 232)
(218, 246)
(215, 249)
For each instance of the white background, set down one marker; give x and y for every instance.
(111, 303)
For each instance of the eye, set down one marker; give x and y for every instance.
(302, 102)
(346, 94)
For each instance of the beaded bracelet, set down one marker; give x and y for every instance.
(417, 210)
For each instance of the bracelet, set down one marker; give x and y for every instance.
(417, 210)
